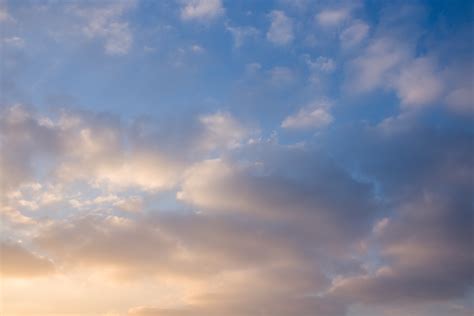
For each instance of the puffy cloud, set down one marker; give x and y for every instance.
(389, 64)
(419, 83)
(321, 64)
(427, 251)
(423, 247)
(203, 10)
(313, 116)
(76, 140)
(218, 186)
(373, 68)
(281, 28)
(221, 130)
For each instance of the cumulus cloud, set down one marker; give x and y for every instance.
(430, 227)
(373, 68)
(281, 28)
(313, 116)
(419, 83)
(418, 247)
(221, 130)
(203, 10)
(261, 216)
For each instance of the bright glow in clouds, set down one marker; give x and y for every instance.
(222, 158)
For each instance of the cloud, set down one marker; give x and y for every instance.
(221, 130)
(14, 41)
(354, 34)
(259, 216)
(418, 247)
(313, 116)
(332, 17)
(203, 10)
(18, 262)
(4, 14)
(240, 34)
(321, 64)
(389, 64)
(461, 100)
(281, 28)
(419, 83)
(372, 69)
(423, 247)
(218, 186)
(281, 76)
(107, 23)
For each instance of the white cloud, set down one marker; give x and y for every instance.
(313, 116)
(222, 131)
(202, 10)
(197, 49)
(354, 34)
(240, 34)
(461, 100)
(332, 17)
(419, 83)
(281, 28)
(321, 64)
(14, 41)
(106, 23)
(373, 68)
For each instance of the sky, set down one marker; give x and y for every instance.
(236, 158)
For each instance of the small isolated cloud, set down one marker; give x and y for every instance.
(204, 10)
(240, 34)
(281, 28)
(14, 41)
(321, 64)
(354, 34)
(332, 17)
(197, 49)
(313, 116)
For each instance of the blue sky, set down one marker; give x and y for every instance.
(287, 157)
